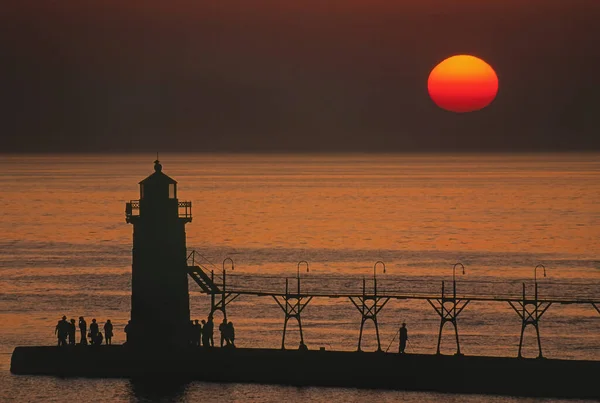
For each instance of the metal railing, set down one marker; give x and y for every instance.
(334, 286)
(132, 209)
(184, 209)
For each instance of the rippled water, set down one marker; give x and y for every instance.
(65, 248)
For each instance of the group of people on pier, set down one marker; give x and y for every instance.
(202, 333)
(66, 331)
(199, 334)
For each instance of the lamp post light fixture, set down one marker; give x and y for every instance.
(454, 276)
(298, 272)
(535, 278)
(375, 274)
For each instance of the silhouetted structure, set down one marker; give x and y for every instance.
(448, 305)
(442, 373)
(160, 311)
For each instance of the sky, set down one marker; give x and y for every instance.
(299, 76)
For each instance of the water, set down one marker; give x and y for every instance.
(66, 249)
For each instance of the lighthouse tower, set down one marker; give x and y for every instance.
(160, 309)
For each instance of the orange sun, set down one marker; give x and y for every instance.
(462, 83)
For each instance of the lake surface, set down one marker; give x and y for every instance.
(66, 249)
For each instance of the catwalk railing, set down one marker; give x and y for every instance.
(370, 294)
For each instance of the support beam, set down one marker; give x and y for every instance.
(448, 309)
(530, 311)
(596, 306)
(369, 307)
(226, 297)
(292, 305)
(221, 305)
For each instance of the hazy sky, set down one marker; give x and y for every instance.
(309, 75)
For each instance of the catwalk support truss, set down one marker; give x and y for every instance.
(369, 306)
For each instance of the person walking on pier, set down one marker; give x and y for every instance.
(72, 331)
(403, 338)
(108, 331)
(223, 328)
(82, 330)
(93, 331)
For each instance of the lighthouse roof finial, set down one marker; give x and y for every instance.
(157, 165)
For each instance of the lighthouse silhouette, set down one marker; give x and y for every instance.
(160, 309)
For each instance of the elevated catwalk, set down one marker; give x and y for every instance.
(457, 374)
(371, 295)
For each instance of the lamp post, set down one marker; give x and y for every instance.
(298, 272)
(232, 267)
(535, 278)
(375, 274)
(454, 276)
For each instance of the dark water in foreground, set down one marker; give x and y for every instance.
(65, 249)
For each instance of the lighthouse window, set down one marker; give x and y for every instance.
(141, 191)
(172, 191)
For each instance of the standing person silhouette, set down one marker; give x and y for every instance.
(72, 331)
(197, 333)
(127, 331)
(403, 338)
(108, 332)
(82, 330)
(224, 332)
(62, 331)
(93, 331)
(208, 331)
(231, 333)
(205, 339)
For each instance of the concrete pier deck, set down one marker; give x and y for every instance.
(454, 374)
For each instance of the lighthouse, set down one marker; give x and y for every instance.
(160, 309)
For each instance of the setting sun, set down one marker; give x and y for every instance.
(462, 83)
